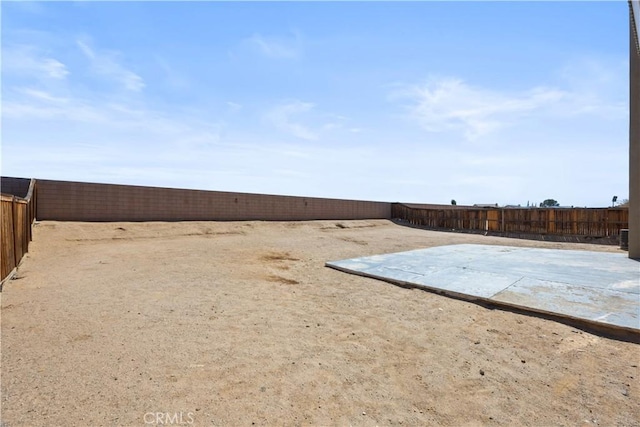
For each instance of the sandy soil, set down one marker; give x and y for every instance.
(240, 323)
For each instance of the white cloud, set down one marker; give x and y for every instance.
(42, 95)
(277, 47)
(281, 117)
(449, 104)
(27, 60)
(38, 106)
(88, 52)
(172, 77)
(444, 104)
(106, 116)
(234, 107)
(54, 68)
(107, 64)
(303, 120)
(597, 86)
(335, 122)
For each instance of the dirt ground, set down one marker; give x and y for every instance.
(240, 324)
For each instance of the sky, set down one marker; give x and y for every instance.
(480, 102)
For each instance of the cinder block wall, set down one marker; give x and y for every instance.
(15, 186)
(81, 201)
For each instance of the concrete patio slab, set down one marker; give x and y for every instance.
(595, 287)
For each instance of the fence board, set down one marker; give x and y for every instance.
(8, 254)
(20, 224)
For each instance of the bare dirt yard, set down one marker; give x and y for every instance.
(240, 324)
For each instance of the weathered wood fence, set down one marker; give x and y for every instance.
(17, 216)
(592, 222)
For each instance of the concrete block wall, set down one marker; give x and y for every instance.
(15, 186)
(81, 201)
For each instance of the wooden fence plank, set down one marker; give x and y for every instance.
(8, 257)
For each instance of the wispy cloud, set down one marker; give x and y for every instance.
(42, 95)
(28, 60)
(108, 64)
(282, 117)
(277, 47)
(595, 85)
(172, 77)
(28, 104)
(107, 116)
(234, 107)
(334, 122)
(448, 103)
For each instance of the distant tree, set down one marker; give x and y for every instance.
(549, 203)
(453, 202)
(624, 203)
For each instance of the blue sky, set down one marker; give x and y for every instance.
(503, 102)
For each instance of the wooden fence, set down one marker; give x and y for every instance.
(591, 222)
(17, 216)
